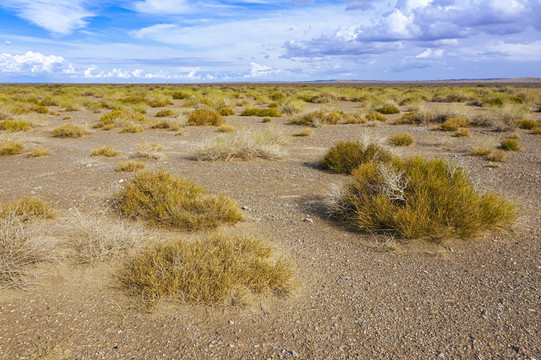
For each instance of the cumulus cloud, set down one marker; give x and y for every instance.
(170, 7)
(34, 63)
(57, 16)
(360, 4)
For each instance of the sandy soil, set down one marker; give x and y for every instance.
(361, 296)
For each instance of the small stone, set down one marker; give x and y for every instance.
(231, 322)
(295, 355)
(245, 207)
(309, 220)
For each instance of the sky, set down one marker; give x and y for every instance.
(185, 41)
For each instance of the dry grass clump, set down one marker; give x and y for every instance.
(148, 150)
(497, 156)
(528, 124)
(266, 119)
(511, 144)
(69, 131)
(244, 145)
(132, 129)
(211, 269)
(165, 113)
(318, 118)
(10, 145)
(225, 128)
(388, 110)
(354, 119)
(423, 114)
(166, 200)
(292, 107)
(416, 198)
(130, 165)
(271, 112)
(14, 125)
(453, 124)
(304, 132)
(344, 157)
(120, 119)
(482, 146)
(173, 124)
(376, 116)
(401, 139)
(204, 117)
(501, 118)
(462, 133)
(28, 208)
(536, 130)
(20, 252)
(94, 240)
(227, 112)
(107, 151)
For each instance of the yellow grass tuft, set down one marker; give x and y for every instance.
(69, 131)
(130, 165)
(107, 151)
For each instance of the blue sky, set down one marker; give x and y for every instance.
(260, 40)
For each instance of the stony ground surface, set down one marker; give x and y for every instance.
(360, 296)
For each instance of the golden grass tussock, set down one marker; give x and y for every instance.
(528, 124)
(453, 124)
(120, 119)
(132, 129)
(318, 118)
(166, 200)
(106, 151)
(376, 116)
(303, 132)
(497, 156)
(28, 208)
(388, 110)
(69, 131)
(511, 144)
(97, 239)
(401, 139)
(462, 133)
(165, 113)
(271, 112)
(205, 117)
(420, 198)
(14, 125)
(225, 128)
(212, 269)
(346, 156)
(244, 145)
(130, 165)
(21, 250)
(148, 150)
(10, 145)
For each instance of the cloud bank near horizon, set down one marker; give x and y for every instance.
(260, 40)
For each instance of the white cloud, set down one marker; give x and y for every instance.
(429, 53)
(516, 51)
(7, 42)
(169, 7)
(261, 70)
(34, 63)
(57, 16)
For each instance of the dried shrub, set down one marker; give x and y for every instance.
(204, 117)
(344, 157)
(453, 124)
(376, 116)
(14, 125)
(401, 139)
(107, 151)
(69, 131)
(130, 165)
(388, 110)
(272, 112)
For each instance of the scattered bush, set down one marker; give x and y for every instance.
(318, 118)
(388, 110)
(401, 139)
(408, 119)
(462, 133)
(165, 113)
(244, 145)
(148, 150)
(10, 146)
(120, 119)
(227, 112)
(344, 157)
(527, 124)
(37, 153)
(353, 119)
(205, 117)
(511, 145)
(376, 116)
(417, 198)
(107, 151)
(292, 107)
(130, 165)
(304, 132)
(166, 200)
(497, 156)
(14, 125)
(211, 269)
(132, 128)
(28, 208)
(69, 131)
(173, 124)
(453, 124)
(266, 119)
(272, 112)
(225, 128)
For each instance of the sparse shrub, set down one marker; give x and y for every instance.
(304, 132)
(462, 133)
(416, 198)
(272, 112)
(401, 139)
(211, 269)
(388, 109)
(179, 95)
(166, 200)
(130, 165)
(10, 146)
(497, 156)
(148, 150)
(266, 119)
(14, 125)
(28, 208)
(453, 124)
(107, 151)
(376, 116)
(244, 145)
(69, 131)
(39, 109)
(510, 145)
(94, 240)
(344, 157)
(292, 107)
(173, 124)
(165, 113)
(503, 118)
(353, 119)
(536, 130)
(132, 128)
(318, 118)
(157, 104)
(225, 128)
(227, 112)
(492, 102)
(121, 118)
(527, 124)
(205, 117)
(37, 153)
(20, 252)
(408, 119)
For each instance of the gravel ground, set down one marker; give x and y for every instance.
(360, 296)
